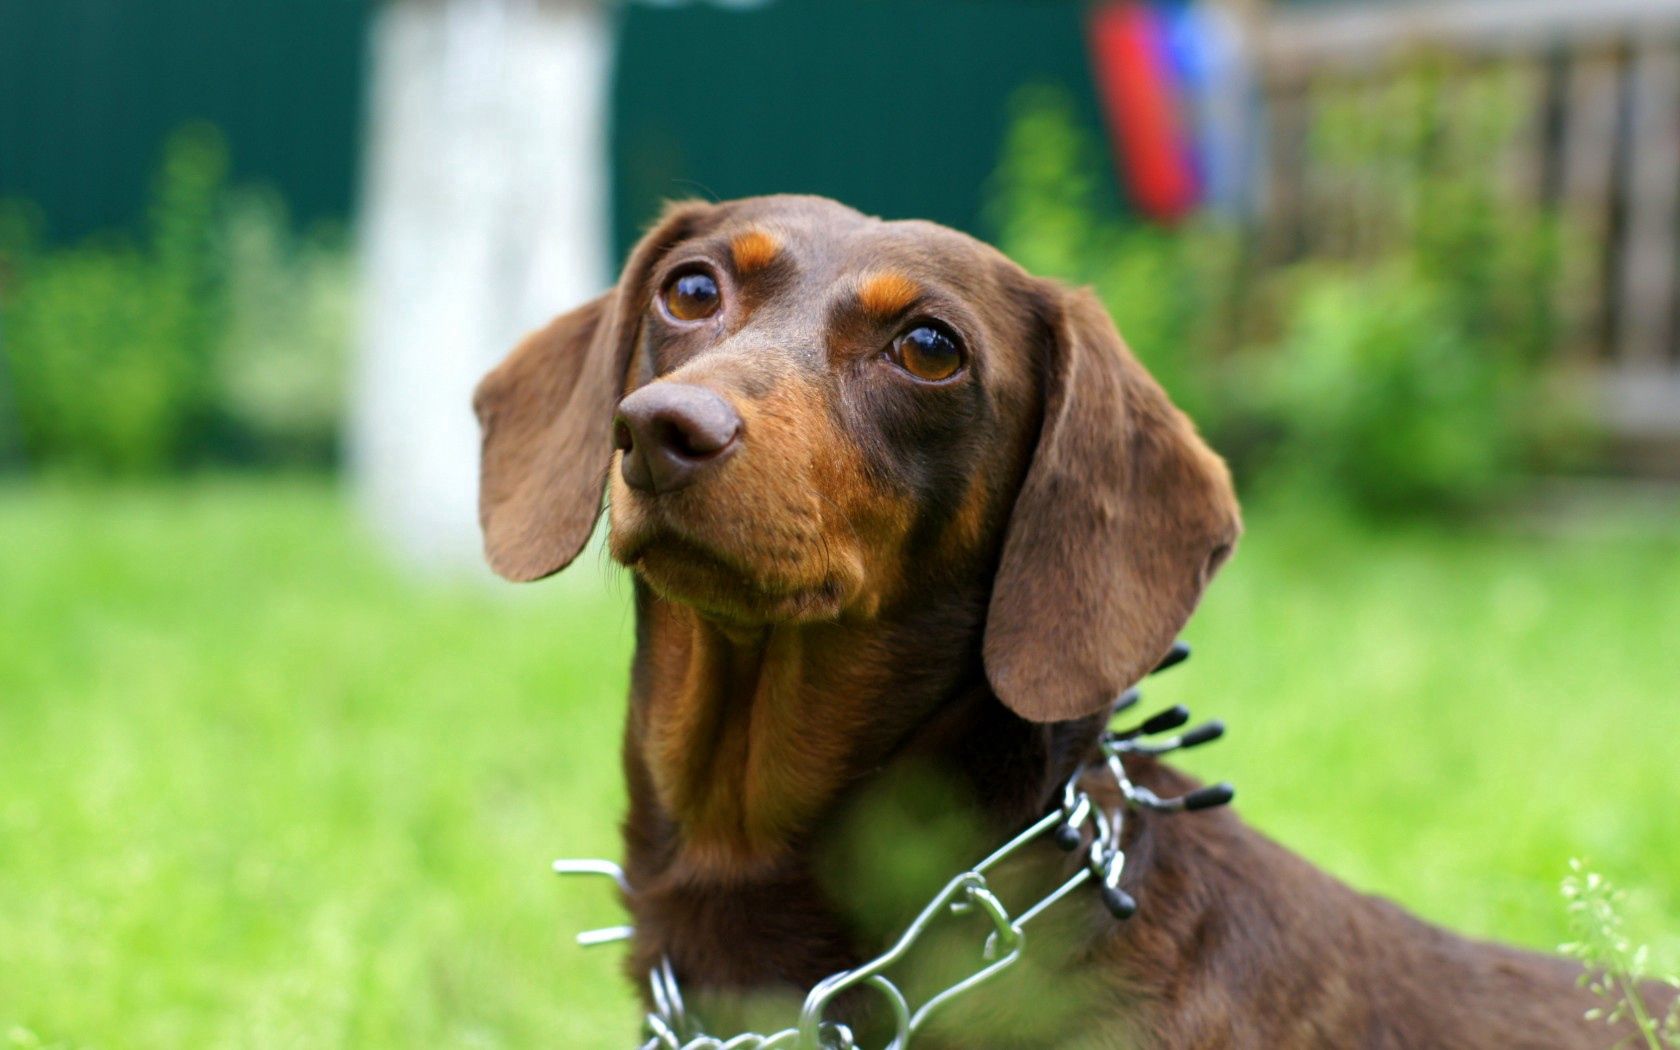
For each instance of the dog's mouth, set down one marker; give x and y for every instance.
(719, 583)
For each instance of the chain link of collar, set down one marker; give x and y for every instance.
(1076, 821)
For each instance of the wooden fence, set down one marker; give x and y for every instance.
(1595, 135)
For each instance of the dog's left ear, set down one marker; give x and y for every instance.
(546, 412)
(1124, 516)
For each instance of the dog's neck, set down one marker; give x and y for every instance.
(746, 749)
(746, 735)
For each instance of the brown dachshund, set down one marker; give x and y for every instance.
(903, 521)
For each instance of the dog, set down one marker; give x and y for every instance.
(903, 521)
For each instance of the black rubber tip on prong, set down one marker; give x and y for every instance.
(1179, 653)
(1119, 903)
(1066, 838)
(1209, 797)
(1171, 718)
(1125, 700)
(1206, 733)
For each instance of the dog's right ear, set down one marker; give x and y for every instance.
(545, 414)
(1123, 518)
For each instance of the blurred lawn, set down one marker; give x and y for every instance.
(256, 789)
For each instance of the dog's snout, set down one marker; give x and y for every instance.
(671, 433)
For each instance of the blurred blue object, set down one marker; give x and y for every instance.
(1216, 79)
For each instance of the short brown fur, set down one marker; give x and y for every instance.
(889, 582)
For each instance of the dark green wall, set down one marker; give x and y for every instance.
(897, 107)
(89, 89)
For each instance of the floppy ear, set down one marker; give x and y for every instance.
(1123, 518)
(545, 414)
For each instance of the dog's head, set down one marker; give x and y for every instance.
(809, 414)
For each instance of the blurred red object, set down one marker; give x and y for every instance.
(1141, 99)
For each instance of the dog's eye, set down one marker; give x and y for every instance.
(928, 352)
(692, 296)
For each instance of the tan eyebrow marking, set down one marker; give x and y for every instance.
(887, 292)
(753, 250)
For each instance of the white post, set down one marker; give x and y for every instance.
(484, 213)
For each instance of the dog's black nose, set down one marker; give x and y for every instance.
(670, 433)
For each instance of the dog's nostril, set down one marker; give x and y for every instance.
(694, 438)
(677, 438)
(623, 441)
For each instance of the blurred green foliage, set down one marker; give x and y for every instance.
(218, 335)
(1373, 391)
(284, 349)
(1399, 360)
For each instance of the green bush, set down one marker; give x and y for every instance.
(1400, 364)
(218, 336)
(1376, 392)
(284, 348)
(106, 343)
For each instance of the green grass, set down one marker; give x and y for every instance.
(259, 789)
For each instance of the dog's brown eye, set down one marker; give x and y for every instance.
(692, 296)
(929, 353)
